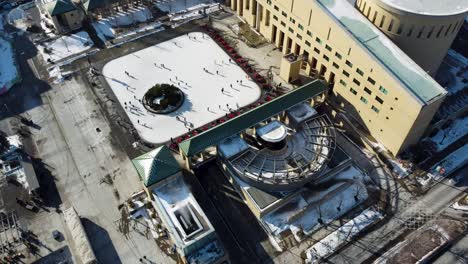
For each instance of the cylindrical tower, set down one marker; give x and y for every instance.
(423, 29)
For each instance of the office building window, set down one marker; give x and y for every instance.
(338, 55)
(359, 72)
(343, 82)
(356, 82)
(283, 24)
(336, 66)
(364, 100)
(353, 91)
(390, 27)
(307, 43)
(284, 14)
(319, 41)
(301, 27)
(378, 99)
(369, 79)
(375, 109)
(299, 36)
(383, 90)
(349, 63)
(276, 8)
(317, 50)
(309, 33)
(367, 90)
(292, 20)
(382, 21)
(345, 73)
(291, 30)
(275, 17)
(326, 57)
(328, 48)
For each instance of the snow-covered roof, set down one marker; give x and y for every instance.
(394, 60)
(183, 212)
(429, 7)
(9, 73)
(272, 132)
(232, 146)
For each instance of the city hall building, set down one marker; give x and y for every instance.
(347, 44)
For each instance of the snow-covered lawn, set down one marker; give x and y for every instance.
(184, 60)
(455, 131)
(66, 46)
(8, 71)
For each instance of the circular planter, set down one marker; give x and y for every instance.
(163, 98)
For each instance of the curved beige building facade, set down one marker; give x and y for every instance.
(423, 29)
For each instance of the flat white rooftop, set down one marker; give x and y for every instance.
(429, 7)
(180, 61)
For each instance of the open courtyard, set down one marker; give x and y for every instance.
(212, 84)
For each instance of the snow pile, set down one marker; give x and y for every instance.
(345, 233)
(134, 15)
(104, 30)
(66, 46)
(9, 73)
(452, 133)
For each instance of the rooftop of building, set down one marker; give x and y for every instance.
(250, 118)
(59, 7)
(403, 68)
(429, 7)
(156, 165)
(185, 218)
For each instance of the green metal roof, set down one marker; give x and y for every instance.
(250, 118)
(60, 7)
(417, 81)
(156, 165)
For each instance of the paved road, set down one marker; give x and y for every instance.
(74, 150)
(371, 246)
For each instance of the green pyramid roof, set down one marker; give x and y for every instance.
(156, 165)
(60, 7)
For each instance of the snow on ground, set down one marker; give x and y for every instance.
(132, 16)
(66, 46)
(184, 60)
(445, 137)
(104, 30)
(345, 233)
(307, 211)
(8, 71)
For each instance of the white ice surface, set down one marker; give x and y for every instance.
(184, 58)
(67, 46)
(176, 6)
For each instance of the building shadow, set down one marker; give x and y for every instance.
(101, 243)
(25, 95)
(50, 197)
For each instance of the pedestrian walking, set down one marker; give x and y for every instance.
(230, 85)
(208, 109)
(217, 72)
(126, 72)
(138, 121)
(237, 105)
(222, 90)
(219, 106)
(240, 81)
